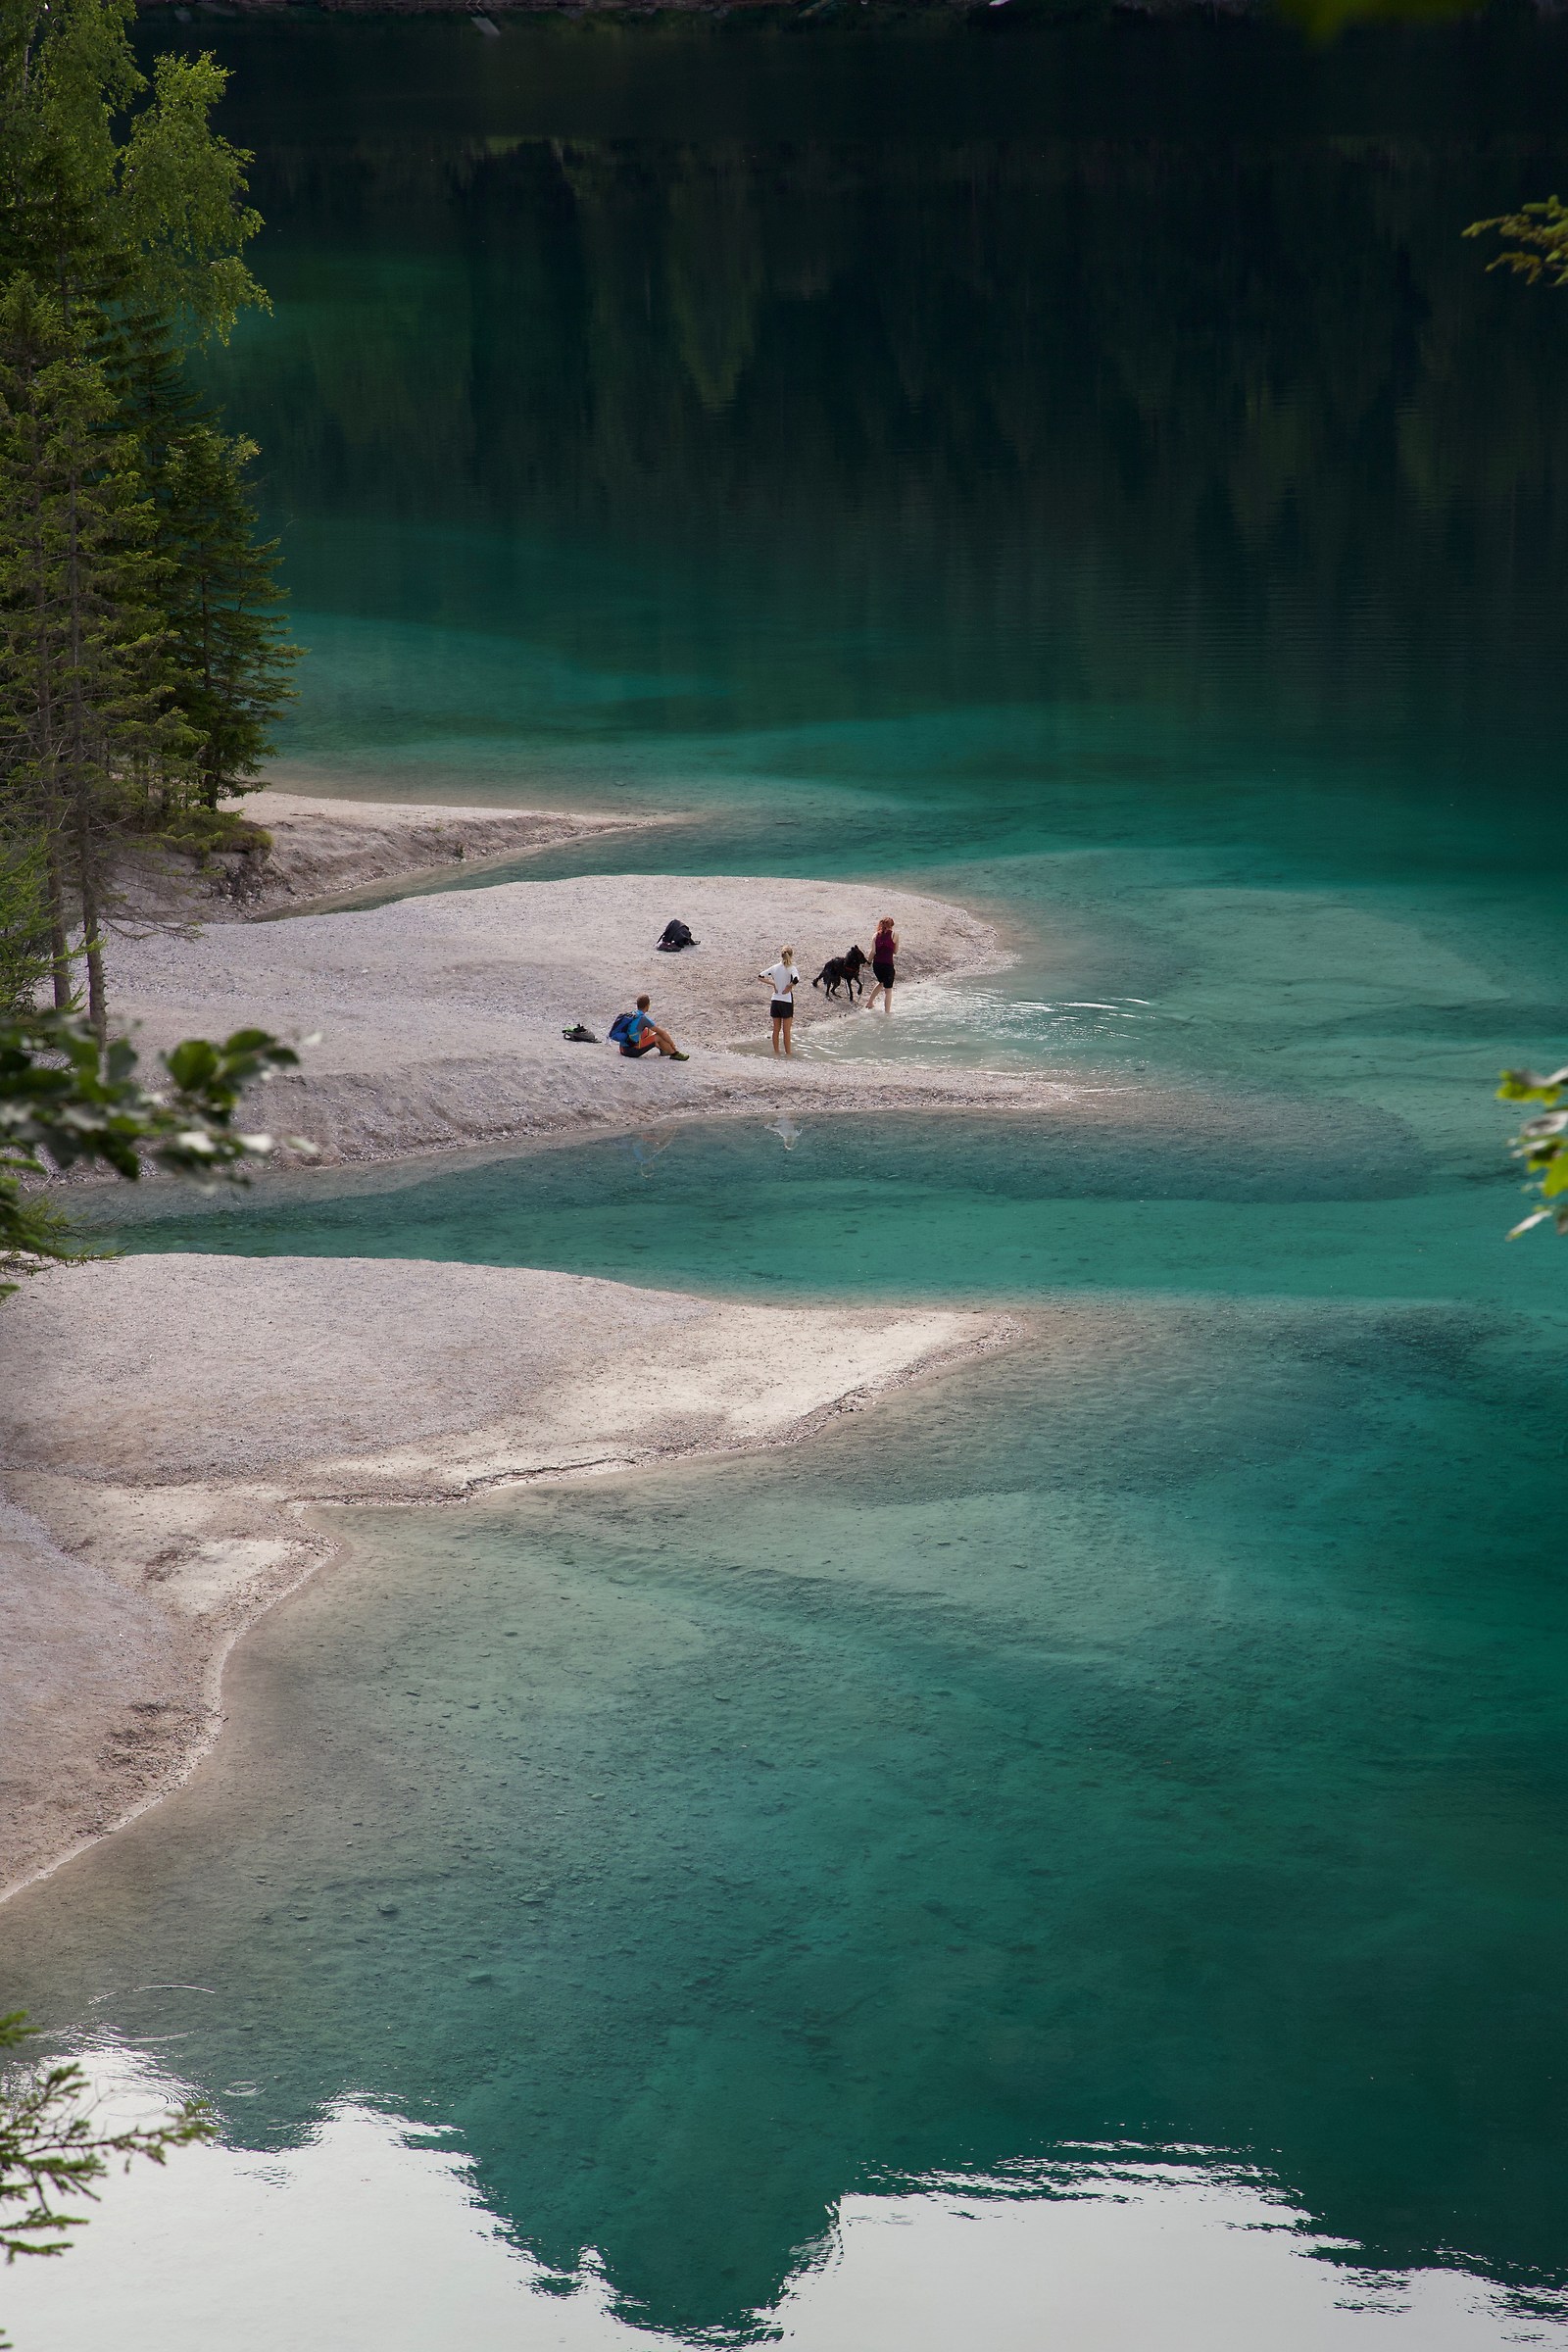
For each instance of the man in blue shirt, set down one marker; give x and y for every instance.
(639, 1034)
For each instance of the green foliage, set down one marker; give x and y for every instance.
(152, 218)
(81, 637)
(65, 1100)
(229, 659)
(26, 955)
(142, 652)
(1542, 1144)
(64, 74)
(52, 2149)
(84, 702)
(204, 833)
(1542, 234)
(185, 220)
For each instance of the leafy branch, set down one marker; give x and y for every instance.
(1542, 1144)
(66, 1098)
(1542, 249)
(51, 2150)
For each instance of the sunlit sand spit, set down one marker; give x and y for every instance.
(165, 1422)
(327, 847)
(439, 1019)
(290, 850)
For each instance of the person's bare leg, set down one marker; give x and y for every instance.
(777, 1026)
(665, 1042)
(787, 1027)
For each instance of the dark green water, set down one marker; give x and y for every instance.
(1086, 469)
(948, 444)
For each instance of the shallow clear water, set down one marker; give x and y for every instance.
(1276, 1199)
(1118, 1793)
(1157, 1742)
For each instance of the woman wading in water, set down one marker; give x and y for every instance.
(783, 979)
(884, 947)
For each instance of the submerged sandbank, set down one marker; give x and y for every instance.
(168, 1422)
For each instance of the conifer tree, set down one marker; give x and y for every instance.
(123, 215)
(228, 653)
(230, 660)
(83, 697)
(26, 942)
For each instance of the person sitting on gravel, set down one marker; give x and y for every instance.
(637, 1033)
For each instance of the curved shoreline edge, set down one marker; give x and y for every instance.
(436, 1019)
(321, 849)
(170, 1424)
(136, 1552)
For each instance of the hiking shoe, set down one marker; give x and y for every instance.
(680, 1058)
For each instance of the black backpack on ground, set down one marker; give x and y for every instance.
(677, 935)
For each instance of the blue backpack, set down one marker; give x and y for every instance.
(620, 1029)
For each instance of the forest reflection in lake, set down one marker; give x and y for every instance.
(1149, 366)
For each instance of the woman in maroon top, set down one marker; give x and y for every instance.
(884, 947)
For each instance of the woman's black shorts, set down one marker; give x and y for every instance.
(885, 974)
(783, 1009)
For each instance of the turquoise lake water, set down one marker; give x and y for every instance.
(1345, 1209)
(1081, 470)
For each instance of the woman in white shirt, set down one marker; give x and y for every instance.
(783, 979)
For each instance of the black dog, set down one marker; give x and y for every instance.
(841, 969)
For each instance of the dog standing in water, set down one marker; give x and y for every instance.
(783, 979)
(840, 969)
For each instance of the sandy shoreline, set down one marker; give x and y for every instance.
(169, 1424)
(440, 1018)
(324, 849)
(331, 848)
